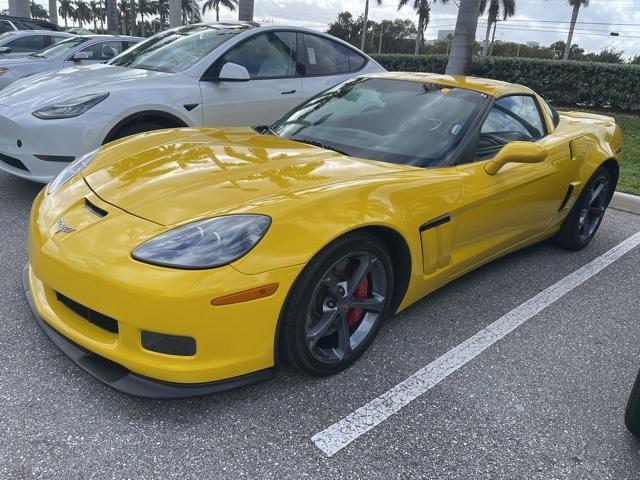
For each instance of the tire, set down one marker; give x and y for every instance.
(584, 219)
(632, 412)
(134, 128)
(321, 330)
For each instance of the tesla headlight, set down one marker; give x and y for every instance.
(3, 70)
(206, 243)
(71, 171)
(70, 108)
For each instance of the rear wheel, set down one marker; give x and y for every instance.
(337, 306)
(584, 219)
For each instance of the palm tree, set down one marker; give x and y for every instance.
(123, 10)
(38, 11)
(53, 12)
(190, 12)
(66, 10)
(163, 12)
(175, 7)
(83, 13)
(145, 7)
(95, 14)
(464, 37)
(215, 5)
(574, 18)
(245, 10)
(112, 16)
(496, 7)
(366, 22)
(423, 8)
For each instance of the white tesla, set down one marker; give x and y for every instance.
(231, 74)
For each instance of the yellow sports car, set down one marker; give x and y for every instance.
(182, 262)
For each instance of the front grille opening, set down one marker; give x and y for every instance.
(168, 344)
(95, 209)
(96, 318)
(13, 162)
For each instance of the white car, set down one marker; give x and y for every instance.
(231, 74)
(23, 42)
(84, 50)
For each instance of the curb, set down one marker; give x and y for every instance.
(626, 202)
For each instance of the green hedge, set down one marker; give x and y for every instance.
(569, 84)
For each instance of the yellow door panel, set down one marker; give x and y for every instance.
(520, 201)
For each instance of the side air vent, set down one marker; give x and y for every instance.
(13, 162)
(95, 209)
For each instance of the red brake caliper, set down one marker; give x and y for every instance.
(362, 291)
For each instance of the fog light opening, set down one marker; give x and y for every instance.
(168, 344)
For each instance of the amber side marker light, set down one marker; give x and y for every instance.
(247, 295)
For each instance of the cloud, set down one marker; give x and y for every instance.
(544, 21)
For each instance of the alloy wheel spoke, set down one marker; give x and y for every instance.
(596, 193)
(344, 338)
(597, 210)
(319, 329)
(374, 304)
(362, 271)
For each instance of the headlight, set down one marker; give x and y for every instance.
(71, 170)
(3, 70)
(70, 108)
(205, 244)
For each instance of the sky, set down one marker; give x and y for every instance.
(544, 21)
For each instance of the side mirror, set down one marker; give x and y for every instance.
(516, 152)
(232, 72)
(5, 49)
(79, 56)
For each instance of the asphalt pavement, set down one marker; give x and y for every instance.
(544, 402)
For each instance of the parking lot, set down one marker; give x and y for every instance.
(546, 401)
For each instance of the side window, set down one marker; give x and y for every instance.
(356, 61)
(56, 39)
(27, 44)
(325, 57)
(269, 55)
(5, 26)
(552, 112)
(103, 51)
(512, 118)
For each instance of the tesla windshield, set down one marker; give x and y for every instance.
(412, 123)
(176, 50)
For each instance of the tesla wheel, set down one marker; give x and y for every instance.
(585, 217)
(632, 413)
(137, 127)
(337, 306)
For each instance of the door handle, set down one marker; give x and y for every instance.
(290, 92)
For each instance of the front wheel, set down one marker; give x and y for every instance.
(584, 219)
(337, 305)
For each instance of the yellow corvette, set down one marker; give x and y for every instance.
(182, 262)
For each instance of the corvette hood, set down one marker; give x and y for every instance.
(196, 173)
(45, 88)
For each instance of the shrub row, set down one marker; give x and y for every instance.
(592, 85)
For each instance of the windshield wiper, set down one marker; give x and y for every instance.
(315, 143)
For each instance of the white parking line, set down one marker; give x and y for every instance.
(342, 433)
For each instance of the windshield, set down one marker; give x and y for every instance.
(60, 48)
(396, 121)
(176, 50)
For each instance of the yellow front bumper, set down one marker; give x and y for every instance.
(96, 271)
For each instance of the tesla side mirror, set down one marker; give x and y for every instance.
(516, 152)
(79, 56)
(232, 72)
(5, 49)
